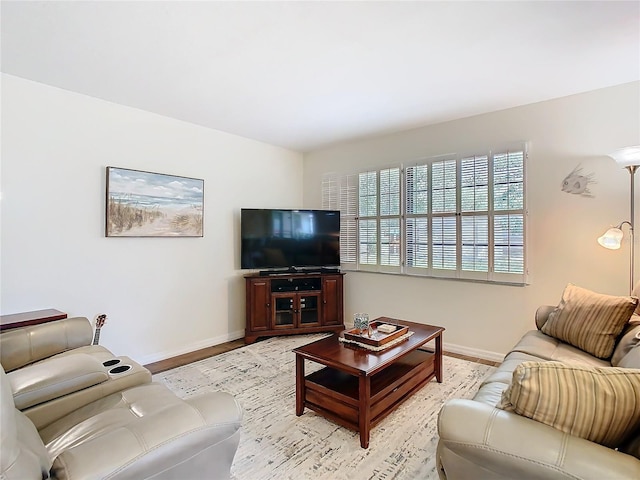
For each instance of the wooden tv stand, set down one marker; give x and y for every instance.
(286, 304)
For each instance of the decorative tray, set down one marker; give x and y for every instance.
(377, 338)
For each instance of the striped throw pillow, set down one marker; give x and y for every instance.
(601, 404)
(589, 321)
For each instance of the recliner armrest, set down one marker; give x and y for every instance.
(55, 378)
(478, 439)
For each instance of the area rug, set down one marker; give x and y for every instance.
(275, 444)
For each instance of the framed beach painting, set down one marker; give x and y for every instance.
(146, 204)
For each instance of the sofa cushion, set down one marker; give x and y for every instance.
(55, 378)
(542, 315)
(636, 293)
(504, 372)
(26, 345)
(599, 404)
(588, 320)
(632, 445)
(96, 351)
(629, 339)
(490, 393)
(631, 359)
(544, 347)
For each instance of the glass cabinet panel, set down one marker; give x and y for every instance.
(284, 311)
(309, 309)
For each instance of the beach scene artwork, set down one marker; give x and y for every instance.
(146, 204)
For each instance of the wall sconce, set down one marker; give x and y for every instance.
(629, 158)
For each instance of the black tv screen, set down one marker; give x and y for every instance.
(289, 238)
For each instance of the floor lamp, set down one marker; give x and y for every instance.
(629, 158)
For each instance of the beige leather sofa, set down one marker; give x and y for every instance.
(71, 410)
(480, 441)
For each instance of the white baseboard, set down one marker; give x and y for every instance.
(158, 356)
(473, 352)
(210, 342)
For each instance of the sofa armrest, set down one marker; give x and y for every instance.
(480, 441)
(22, 346)
(542, 315)
(55, 378)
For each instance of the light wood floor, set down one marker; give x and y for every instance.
(178, 361)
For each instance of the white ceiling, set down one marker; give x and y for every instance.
(304, 75)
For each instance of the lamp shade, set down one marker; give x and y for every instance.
(627, 156)
(611, 238)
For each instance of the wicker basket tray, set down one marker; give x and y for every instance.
(378, 338)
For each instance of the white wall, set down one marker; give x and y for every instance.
(166, 296)
(163, 296)
(563, 133)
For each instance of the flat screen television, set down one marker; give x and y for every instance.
(289, 239)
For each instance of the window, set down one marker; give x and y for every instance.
(509, 218)
(367, 218)
(416, 219)
(378, 220)
(454, 216)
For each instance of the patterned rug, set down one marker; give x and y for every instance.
(275, 444)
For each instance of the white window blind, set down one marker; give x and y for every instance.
(378, 222)
(455, 216)
(390, 192)
(508, 224)
(389, 220)
(444, 234)
(348, 205)
(444, 243)
(474, 216)
(330, 191)
(416, 218)
(475, 243)
(367, 218)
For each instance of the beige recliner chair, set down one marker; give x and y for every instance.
(70, 416)
(53, 369)
(140, 433)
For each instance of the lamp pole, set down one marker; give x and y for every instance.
(632, 171)
(629, 158)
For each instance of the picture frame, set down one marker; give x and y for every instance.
(148, 204)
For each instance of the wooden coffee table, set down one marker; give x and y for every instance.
(358, 387)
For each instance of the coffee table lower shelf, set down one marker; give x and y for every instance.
(360, 402)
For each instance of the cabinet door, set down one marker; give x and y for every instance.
(259, 305)
(332, 307)
(309, 309)
(285, 306)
